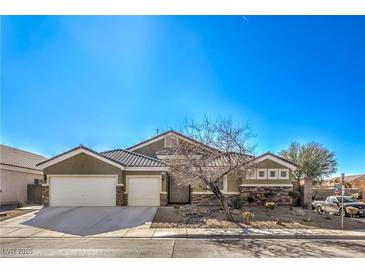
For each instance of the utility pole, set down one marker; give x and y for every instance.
(342, 193)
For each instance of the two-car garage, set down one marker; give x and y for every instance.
(100, 190)
(82, 177)
(82, 190)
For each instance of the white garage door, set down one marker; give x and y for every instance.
(82, 190)
(144, 191)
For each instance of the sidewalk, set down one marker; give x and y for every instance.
(192, 233)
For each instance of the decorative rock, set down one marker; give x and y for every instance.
(297, 212)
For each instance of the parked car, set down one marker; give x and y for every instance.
(332, 205)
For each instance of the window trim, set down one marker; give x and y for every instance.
(269, 176)
(258, 174)
(287, 173)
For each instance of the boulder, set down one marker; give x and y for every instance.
(297, 212)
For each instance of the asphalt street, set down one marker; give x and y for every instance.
(180, 248)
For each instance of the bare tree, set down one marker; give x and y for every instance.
(223, 149)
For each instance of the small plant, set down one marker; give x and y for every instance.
(236, 202)
(19, 204)
(356, 196)
(250, 200)
(270, 206)
(295, 196)
(248, 216)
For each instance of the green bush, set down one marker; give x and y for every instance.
(250, 200)
(270, 205)
(236, 202)
(356, 196)
(295, 196)
(19, 204)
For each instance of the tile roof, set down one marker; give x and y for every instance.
(132, 159)
(120, 156)
(19, 158)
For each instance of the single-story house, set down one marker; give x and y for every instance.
(139, 176)
(17, 170)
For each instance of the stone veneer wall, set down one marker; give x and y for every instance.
(125, 199)
(207, 199)
(277, 194)
(45, 195)
(163, 199)
(119, 196)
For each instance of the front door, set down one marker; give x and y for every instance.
(178, 193)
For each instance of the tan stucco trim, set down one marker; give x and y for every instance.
(274, 159)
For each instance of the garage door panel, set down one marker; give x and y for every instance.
(144, 191)
(82, 191)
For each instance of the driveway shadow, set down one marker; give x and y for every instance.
(85, 221)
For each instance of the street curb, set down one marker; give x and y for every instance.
(209, 237)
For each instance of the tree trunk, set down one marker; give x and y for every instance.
(222, 199)
(226, 208)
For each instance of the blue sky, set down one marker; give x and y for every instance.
(109, 82)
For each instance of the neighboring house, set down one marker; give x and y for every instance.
(139, 176)
(352, 181)
(17, 170)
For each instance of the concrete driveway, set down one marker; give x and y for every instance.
(79, 221)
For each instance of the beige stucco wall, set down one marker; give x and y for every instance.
(83, 164)
(151, 149)
(13, 185)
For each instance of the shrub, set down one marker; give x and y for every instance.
(269, 194)
(236, 202)
(250, 200)
(248, 216)
(294, 195)
(19, 204)
(356, 196)
(270, 205)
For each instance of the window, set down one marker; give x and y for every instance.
(283, 174)
(273, 173)
(251, 174)
(262, 173)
